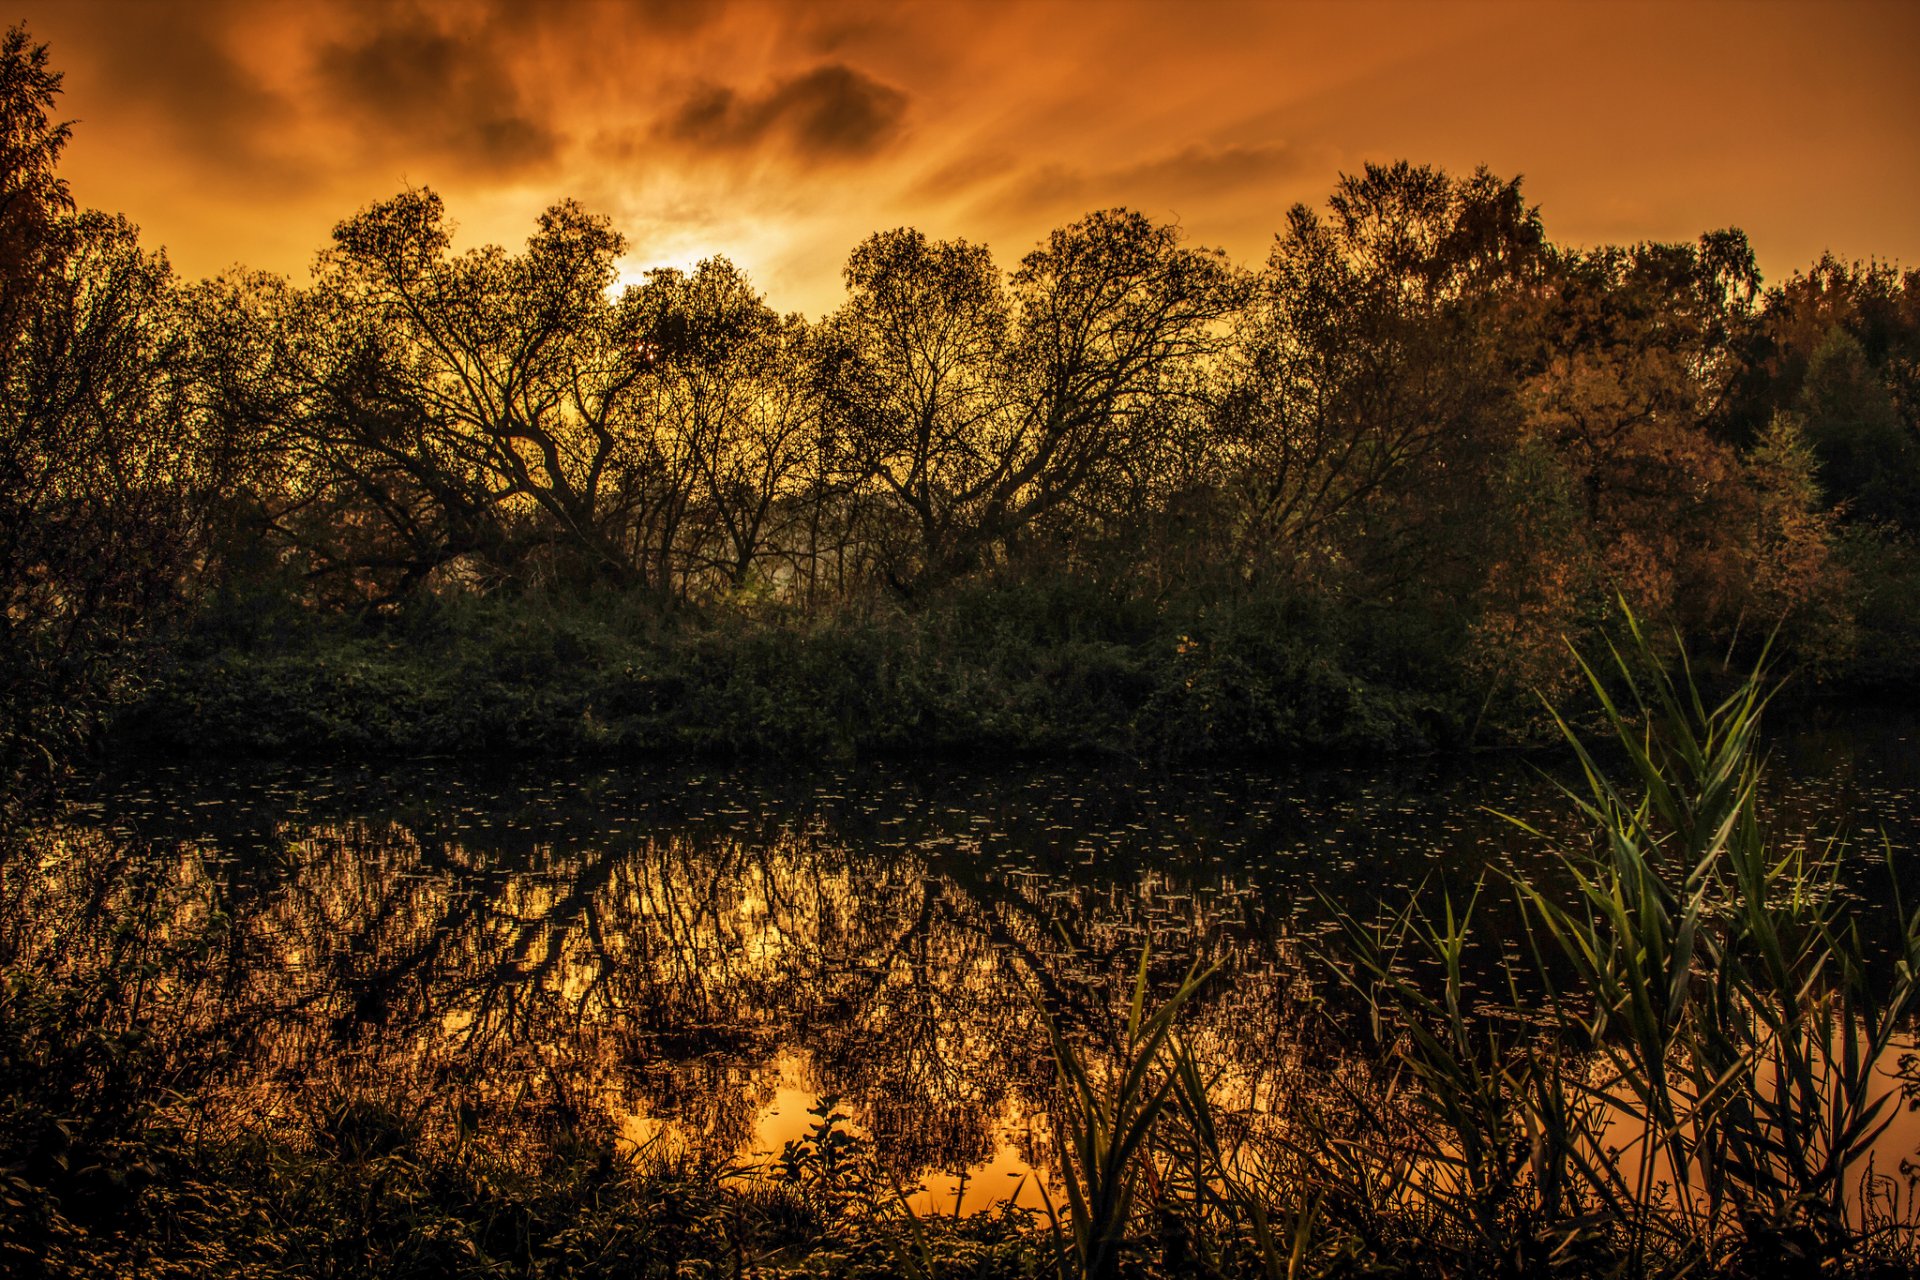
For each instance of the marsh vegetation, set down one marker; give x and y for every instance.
(1215, 1023)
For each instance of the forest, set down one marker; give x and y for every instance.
(1127, 495)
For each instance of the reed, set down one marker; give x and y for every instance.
(1721, 982)
(1105, 1128)
(1683, 1069)
(1687, 1068)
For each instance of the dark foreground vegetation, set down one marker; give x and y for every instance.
(1128, 496)
(1686, 1064)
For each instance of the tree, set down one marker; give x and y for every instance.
(1875, 304)
(975, 409)
(1869, 460)
(107, 469)
(1373, 343)
(109, 473)
(1539, 586)
(735, 410)
(1119, 324)
(1636, 351)
(32, 194)
(916, 393)
(499, 387)
(1795, 582)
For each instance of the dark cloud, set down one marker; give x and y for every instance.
(830, 33)
(679, 17)
(184, 76)
(242, 129)
(831, 112)
(451, 94)
(1193, 173)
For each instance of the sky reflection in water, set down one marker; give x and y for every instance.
(696, 957)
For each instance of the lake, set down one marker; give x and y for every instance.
(695, 957)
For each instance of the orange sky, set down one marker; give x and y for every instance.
(782, 134)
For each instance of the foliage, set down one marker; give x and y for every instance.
(107, 464)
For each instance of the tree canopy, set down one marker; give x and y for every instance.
(1420, 412)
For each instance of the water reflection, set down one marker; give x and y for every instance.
(697, 958)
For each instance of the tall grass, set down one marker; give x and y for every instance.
(1683, 1069)
(1104, 1128)
(1735, 1013)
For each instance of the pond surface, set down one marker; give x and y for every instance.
(695, 957)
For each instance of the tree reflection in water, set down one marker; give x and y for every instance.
(692, 960)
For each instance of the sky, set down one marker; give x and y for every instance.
(238, 132)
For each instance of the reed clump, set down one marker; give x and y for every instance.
(1692, 1049)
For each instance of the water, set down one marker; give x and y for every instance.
(694, 958)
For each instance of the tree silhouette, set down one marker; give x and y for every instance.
(974, 406)
(108, 463)
(1373, 343)
(508, 380)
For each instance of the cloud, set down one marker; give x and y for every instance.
(832, 112)
(453, 95)
(186, 77)
(678, 17)
(1193, 173)
(236, 129)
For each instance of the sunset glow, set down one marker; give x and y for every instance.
(782, 134)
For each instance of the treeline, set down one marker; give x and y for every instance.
(1405, 457)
